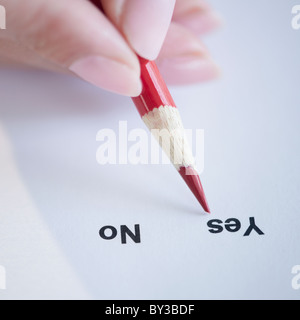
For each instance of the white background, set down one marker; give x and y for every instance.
(54, 197)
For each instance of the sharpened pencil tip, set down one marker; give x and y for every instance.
(191, 178)
(208, 211)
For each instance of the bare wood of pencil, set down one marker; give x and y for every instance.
(159, 113)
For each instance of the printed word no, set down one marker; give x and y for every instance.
(296, 17)
(296, 278)
(110, 233)
(2, 278)
(2, 18)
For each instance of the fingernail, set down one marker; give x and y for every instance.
(200, 21)
(145, 24)
(108, 74)
(188, 63)
(189, 46)
(188, 69)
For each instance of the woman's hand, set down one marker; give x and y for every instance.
(74, 36)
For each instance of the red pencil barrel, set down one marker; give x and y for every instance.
(155, 92)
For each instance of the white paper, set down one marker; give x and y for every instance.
(55, 197)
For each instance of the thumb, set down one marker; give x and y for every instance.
(74, 35)
(144, 23)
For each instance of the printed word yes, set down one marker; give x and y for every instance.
(232, 225)
(110, 232)
(296, 17)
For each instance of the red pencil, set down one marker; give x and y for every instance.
(159, 112)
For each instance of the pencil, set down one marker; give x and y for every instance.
(158, 111)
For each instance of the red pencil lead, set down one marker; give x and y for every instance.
(191, 178)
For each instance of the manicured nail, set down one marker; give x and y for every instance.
(200, 21)
(108, 74)
(145, 24)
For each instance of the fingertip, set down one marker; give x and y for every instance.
(188, 70)
(108, 74)
(188, 63)
(197, 15)
(201, 22)
(144, 23)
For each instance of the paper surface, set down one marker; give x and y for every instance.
(55, 196)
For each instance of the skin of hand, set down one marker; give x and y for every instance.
(75, 37)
